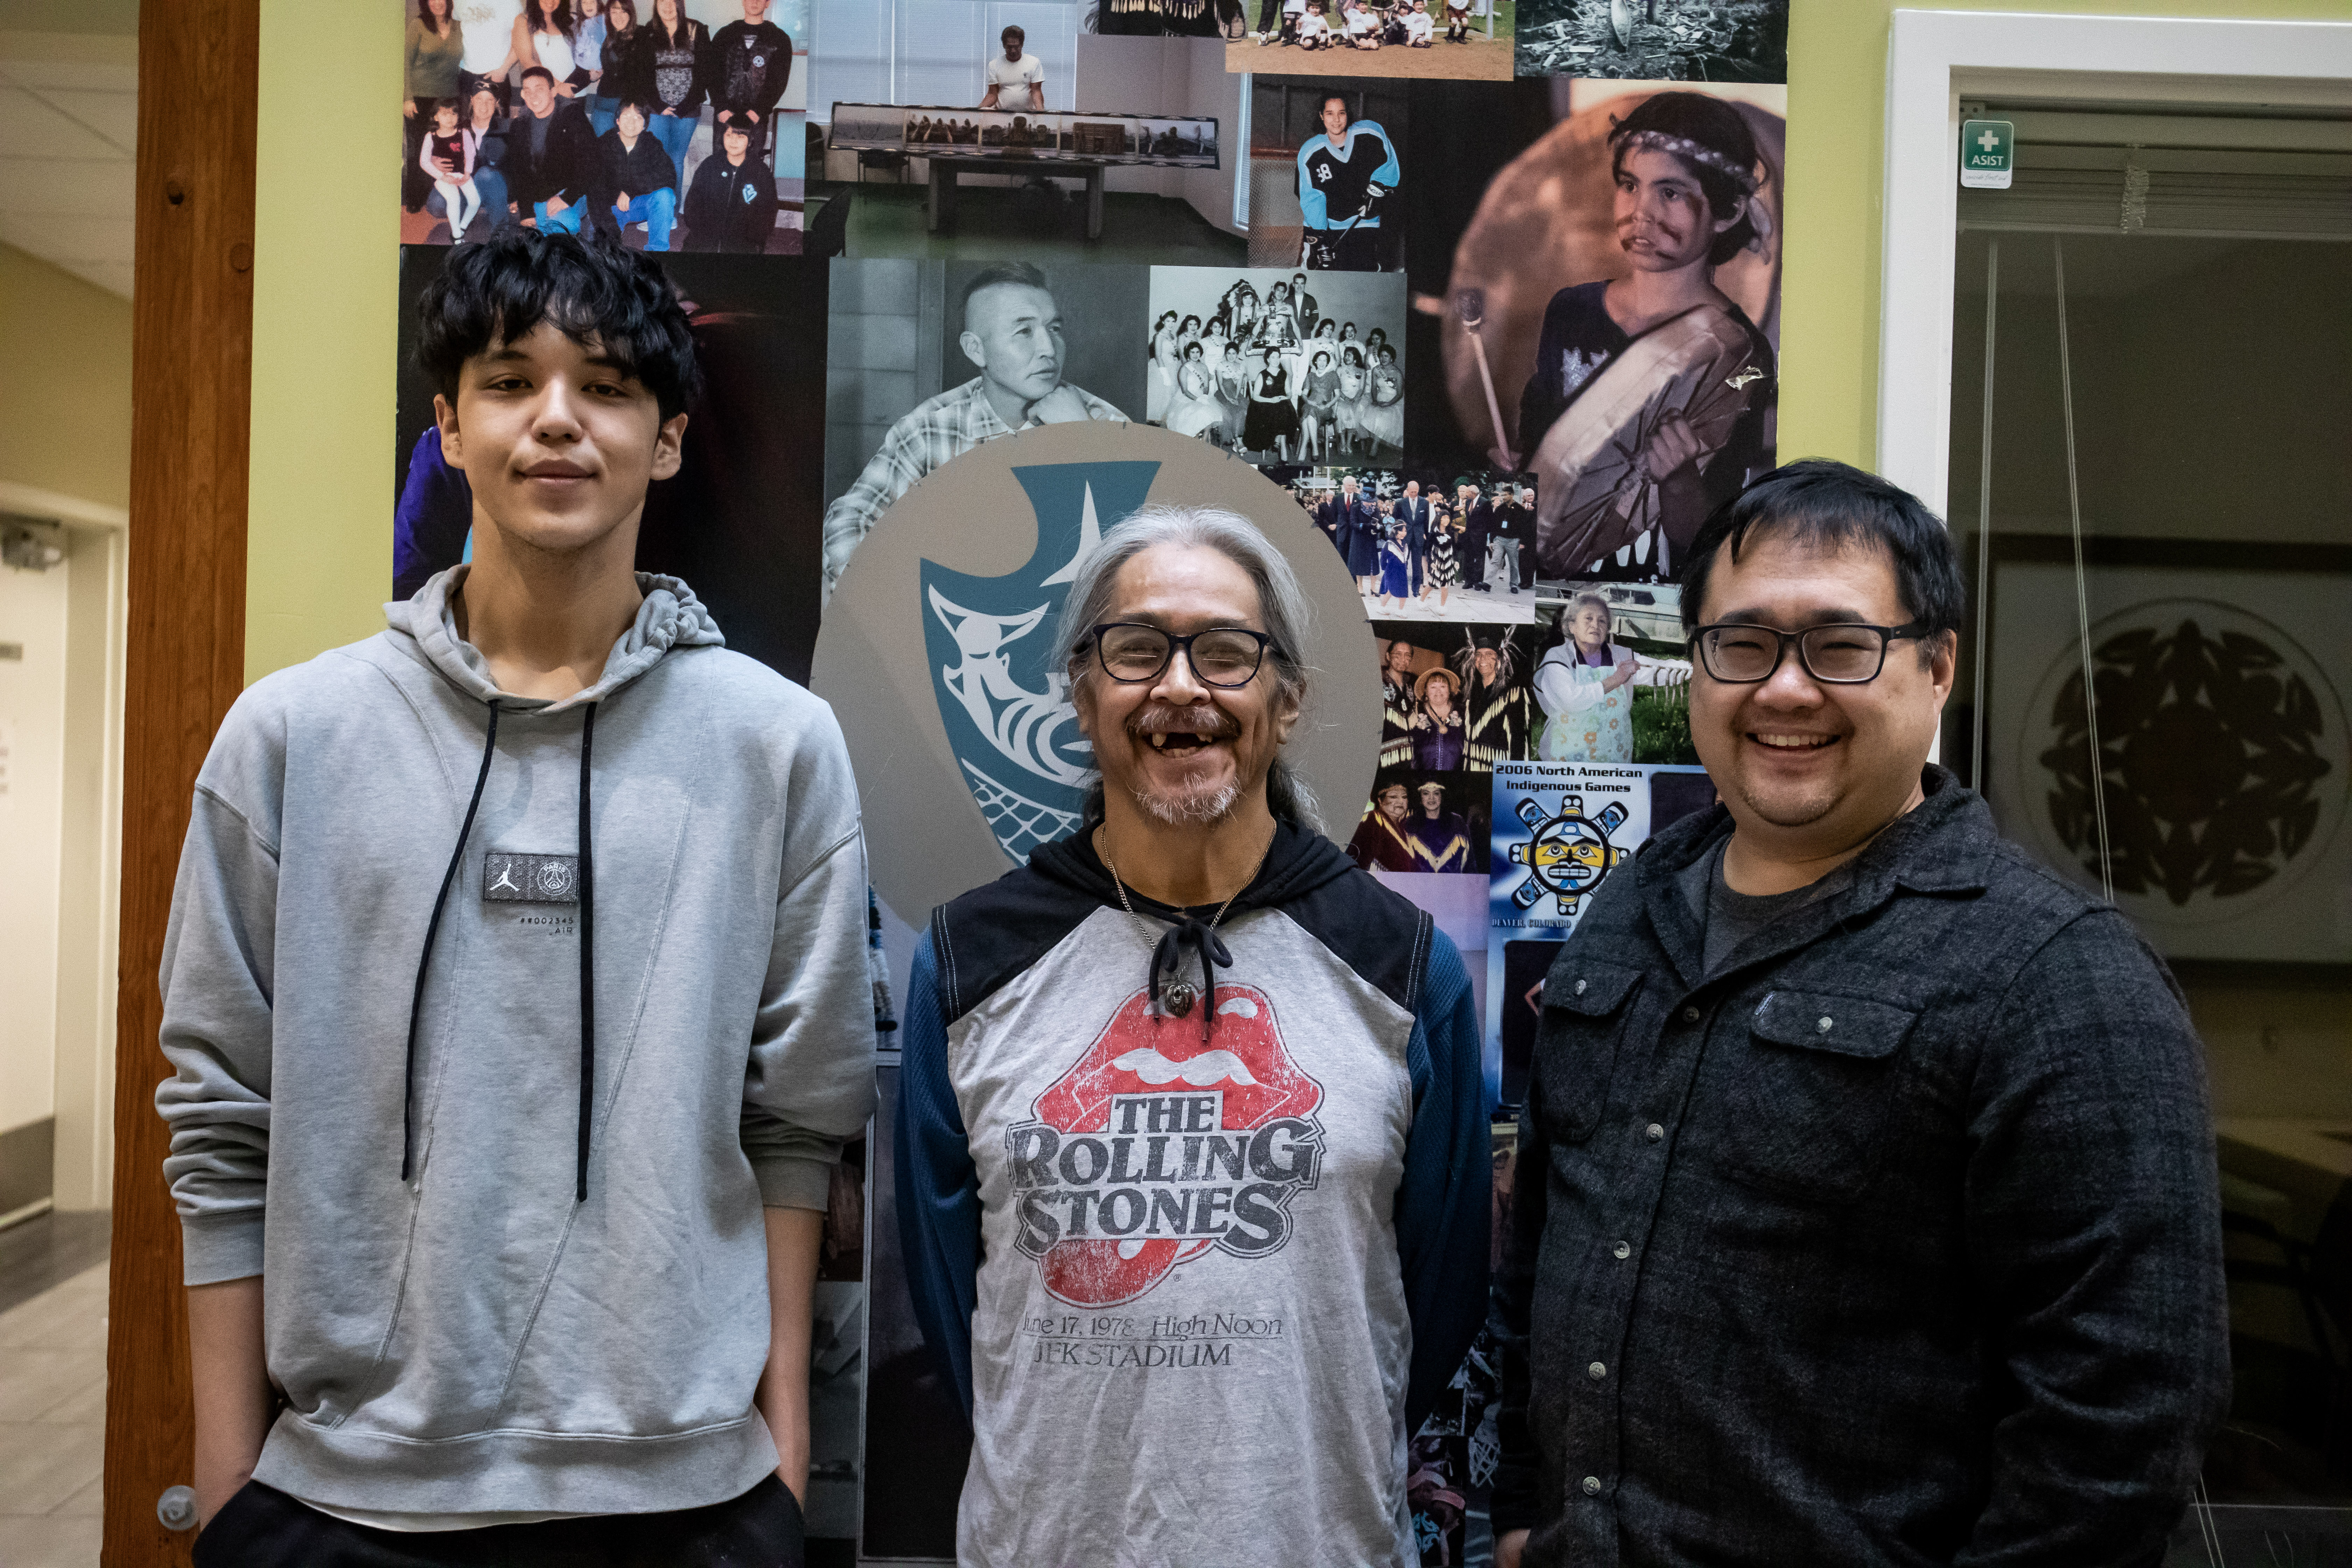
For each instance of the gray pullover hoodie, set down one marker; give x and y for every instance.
(491, 1094)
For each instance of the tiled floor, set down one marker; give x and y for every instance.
(53, 1423)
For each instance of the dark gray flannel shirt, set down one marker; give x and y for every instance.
(1896, 1243)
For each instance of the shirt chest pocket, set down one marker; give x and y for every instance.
(1808, 1097)
(1585, 1005)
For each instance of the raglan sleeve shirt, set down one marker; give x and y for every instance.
(1442, 1202)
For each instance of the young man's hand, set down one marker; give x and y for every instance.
(795, 1238)
(1508, 1547)
(230, 1382)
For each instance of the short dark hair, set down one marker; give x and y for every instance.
(1003, 272)
(1823, 503)
(1012, 32)
(542, 72)
(1707, 122)
(499, 291)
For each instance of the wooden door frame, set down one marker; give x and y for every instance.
(191, 359)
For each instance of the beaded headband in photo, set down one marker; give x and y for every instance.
(1759, 221)
(1689, 152)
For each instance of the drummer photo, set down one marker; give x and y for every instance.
(1328, 182)
(1611, 320)
(1281, 369)
(1611, 676)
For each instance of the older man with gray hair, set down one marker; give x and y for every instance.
(1183, 1243)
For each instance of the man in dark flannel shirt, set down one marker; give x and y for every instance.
(1870, 1215)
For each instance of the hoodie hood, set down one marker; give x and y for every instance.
(671, 617)
(1297, 863)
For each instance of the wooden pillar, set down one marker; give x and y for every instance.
(192, 355)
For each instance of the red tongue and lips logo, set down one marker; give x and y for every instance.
(1157, 1145)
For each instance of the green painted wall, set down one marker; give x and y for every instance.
(1837, 115)
(326, 264)
(65, 404)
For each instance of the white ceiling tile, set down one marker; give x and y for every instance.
(81, 190)
(111, 115)
(60, 239)
(114, 276)
(70, 76)
(32, 128)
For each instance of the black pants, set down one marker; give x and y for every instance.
(261, 1527)
(1349, 250)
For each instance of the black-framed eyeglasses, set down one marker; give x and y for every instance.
(1844, 653)
(1132, 651)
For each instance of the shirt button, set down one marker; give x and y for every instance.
(1690, 1015)
(1580, 987)
(1596, 1372)
(1592, 1486)
(1623, 1249)
(1825, 1025)
(1653, 1132)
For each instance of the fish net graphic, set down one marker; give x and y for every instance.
(1019, 823)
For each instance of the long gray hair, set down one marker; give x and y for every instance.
(1284, 606)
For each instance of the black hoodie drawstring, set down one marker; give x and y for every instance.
(587, 960)
(432, 930)
(1170, 957)
(587, 953)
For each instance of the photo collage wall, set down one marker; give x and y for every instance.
(1490, 292)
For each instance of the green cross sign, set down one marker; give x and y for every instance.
(1987, 154)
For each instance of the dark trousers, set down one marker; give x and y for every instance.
(261, 1527)
(1349, 250)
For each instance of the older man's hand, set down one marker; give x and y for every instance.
(1063, 405)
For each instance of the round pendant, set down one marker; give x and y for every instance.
(1177, 998)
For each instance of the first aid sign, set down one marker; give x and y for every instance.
(1987, 154)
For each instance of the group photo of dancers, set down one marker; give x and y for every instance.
(1425, 545)
(1279, 368)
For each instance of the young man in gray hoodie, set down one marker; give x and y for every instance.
(515, 1047)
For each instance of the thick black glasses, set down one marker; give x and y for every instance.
(1221, 656)
(1843, 654)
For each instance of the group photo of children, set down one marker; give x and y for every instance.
(1458, 38)
(661, 124)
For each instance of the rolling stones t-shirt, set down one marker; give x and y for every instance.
(1189, 1329)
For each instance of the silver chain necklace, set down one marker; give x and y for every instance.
(1177, 996)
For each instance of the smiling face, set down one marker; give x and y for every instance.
(1432, 800)
(737, 142)
(1590, 627)
(557, 443)
(1663, 222)
(1487, 662)
(1183, 750)
(1014, 333)
(630, 122)
(1441, 698)
(538, 95)
(1810, 768)
(1398, 663)
(1335, 117)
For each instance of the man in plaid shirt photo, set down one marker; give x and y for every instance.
(1012, 331)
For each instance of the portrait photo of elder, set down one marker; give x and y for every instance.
(1027, 333)
(1584, 685)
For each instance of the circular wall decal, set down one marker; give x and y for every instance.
(2224, 752)
(933, 649)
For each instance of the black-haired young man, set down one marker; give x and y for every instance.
(516, 986)
(731, 206)
(750, 65)
(551, 164)
(1876, 1220)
